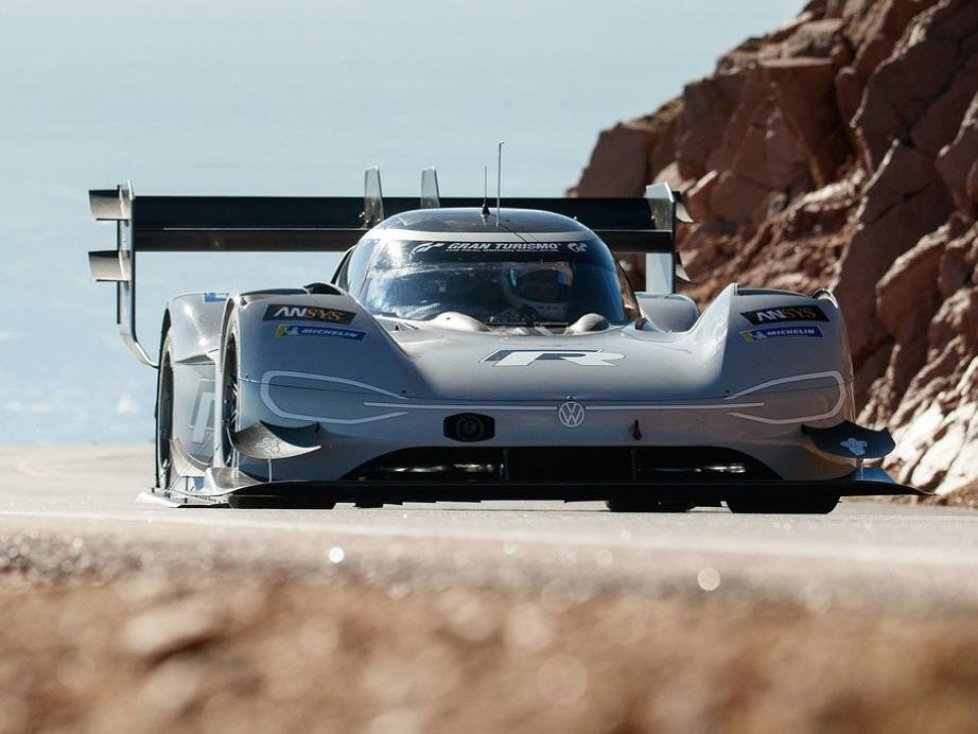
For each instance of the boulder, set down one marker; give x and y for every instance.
(958, 158)
(962, 469)
(904, 201)
(957, 264)
(814, 39)
(707, 107)
(734, 199)
(848, 95)
(699, 196)
(662, 153)
(904, 172)
(942, 121)
(906, 300)
(804, 90)
(907, 296)
(874, 27)
(898, 95)
(971, 183)
(934, 47)
(619, 163)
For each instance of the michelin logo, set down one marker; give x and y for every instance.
(777, 332)
(283, 330)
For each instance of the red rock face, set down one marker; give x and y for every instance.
(841, 150)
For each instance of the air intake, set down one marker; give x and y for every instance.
(469, 427)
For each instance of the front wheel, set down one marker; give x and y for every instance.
(229, 404)
(164, 419)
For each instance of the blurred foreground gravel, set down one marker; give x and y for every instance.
(225, 652)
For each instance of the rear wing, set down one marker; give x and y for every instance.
(330, 224)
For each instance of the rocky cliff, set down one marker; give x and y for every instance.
(840, 150)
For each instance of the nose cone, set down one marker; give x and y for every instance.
(607, 366)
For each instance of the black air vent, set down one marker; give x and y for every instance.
(469, 427)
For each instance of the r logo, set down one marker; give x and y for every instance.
(525, 357)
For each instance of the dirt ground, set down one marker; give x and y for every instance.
(966, 496)
(225, 653)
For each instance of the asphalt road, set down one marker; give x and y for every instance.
(55, 500)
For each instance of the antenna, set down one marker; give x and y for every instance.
(485, 198)
(499, 181)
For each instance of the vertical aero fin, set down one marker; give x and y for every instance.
(119, 265)
(666, 207)
(373, 198)
(429, 188)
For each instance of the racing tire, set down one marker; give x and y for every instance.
(164, 418)
(229, 403)
(646, 505)
(819, 504)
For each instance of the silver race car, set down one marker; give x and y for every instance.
(465, 352)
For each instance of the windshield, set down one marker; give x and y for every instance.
(497, 283)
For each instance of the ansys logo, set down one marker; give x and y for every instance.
(785, 313)
(286, 312)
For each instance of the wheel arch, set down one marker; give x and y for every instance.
(189, 335)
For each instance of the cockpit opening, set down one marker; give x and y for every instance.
(498, 283)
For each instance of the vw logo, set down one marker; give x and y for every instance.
(571, 413)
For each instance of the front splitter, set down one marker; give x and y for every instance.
(239, 489)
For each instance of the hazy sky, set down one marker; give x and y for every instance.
(290, 97)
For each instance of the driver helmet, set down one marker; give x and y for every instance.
(543, 287)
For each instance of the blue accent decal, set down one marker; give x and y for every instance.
(775, 332)
(215, 297)
(334, 331)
